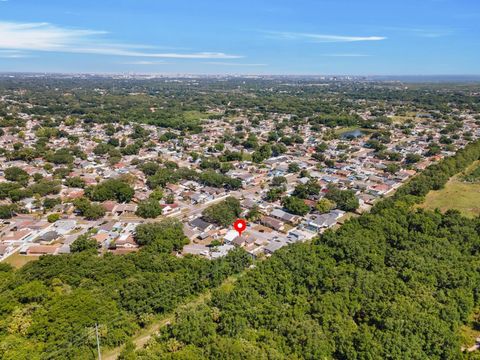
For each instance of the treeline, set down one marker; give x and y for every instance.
(49, 307)
(434, 177)
(333, 120)
(393, 284)
(122, 101)
(171, 173)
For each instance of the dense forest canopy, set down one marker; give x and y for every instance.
(49, 307)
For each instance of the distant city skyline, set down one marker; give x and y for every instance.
(303, 37)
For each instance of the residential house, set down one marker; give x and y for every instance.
(284, 216)
(272, 223)
(42, 249)
(201, 225)
(274, 245)
(320, 222)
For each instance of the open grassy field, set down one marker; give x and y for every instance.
(193, 115)
(17, 260)
(457, 194)
(410, 116)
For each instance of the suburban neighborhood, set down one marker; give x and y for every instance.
(260, 164)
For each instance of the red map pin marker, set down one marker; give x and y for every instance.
(240, 225)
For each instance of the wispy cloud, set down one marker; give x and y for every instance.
(321, 38)
(12, 54)
(221, 63)
(50, 38)
(421, 32)
(431, 33)
(144, 62)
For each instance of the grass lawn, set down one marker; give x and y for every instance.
(457, 194)
(17, 260)
(397, 119)
(402, 119)
(194, 115)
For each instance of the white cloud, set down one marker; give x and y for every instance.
(322, 38)
(51, 38)
(231, 63)
(431, 33)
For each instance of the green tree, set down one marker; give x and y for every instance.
(170, 199)
(112, 189)
(61, 156)
(392, 168)
(275, 194)
(293, 167)
(83, 243)
(165, 236)
(324, 206)
(6, 211)
(279, 181)
(94, 212)
(345, 199)
(254, 214)
(304, 191)
(75, 182)
(149, 209)
(149, 168)
(295, 205)
(53, 217)
(156, 194)
(89, 210)
(14, 173)
(50, 203)
(412, 158)
(433, 149)
(223, 213)
(101, 149)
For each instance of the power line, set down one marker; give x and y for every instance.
(94, 330)
(98, 342)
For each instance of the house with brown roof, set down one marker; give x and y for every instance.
(100, 237)
(126, 242)
(272, 223)
(71, 194)
(15, 236)
(109, 205)
(43, 249)
(121, 209)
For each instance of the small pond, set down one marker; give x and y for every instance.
(352, 134)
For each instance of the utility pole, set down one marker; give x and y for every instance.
(98, 342)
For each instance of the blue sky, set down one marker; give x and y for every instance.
(359, 37)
